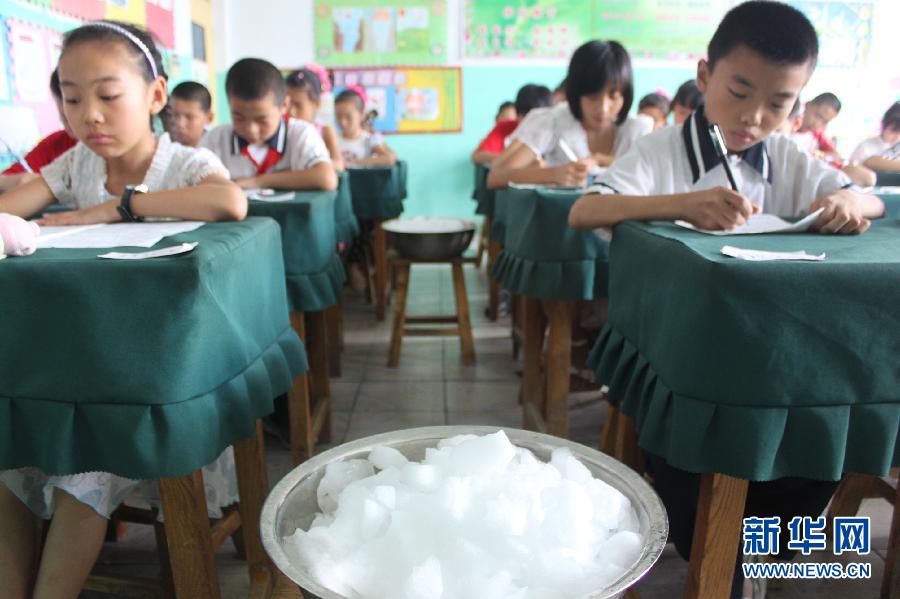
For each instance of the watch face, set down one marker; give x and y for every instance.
(142, 188)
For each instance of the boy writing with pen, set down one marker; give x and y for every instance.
(753, 74)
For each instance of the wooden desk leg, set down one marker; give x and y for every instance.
(299, 406)
(320, 386)
(890, 583)
(333, 318)
(466, 342)
(533, 325)
(515, 326)
(493, 287)
(610, 432)
(194, 572)
(717, 535)
(253, 485)
(380, 253)
(401, 270)
(557, 365)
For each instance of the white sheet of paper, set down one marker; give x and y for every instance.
(269, 195)
(548, 186)
(143, 235)
(762, 223)
(169, 251)
(764, 256)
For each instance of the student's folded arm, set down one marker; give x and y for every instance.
(595, 210)
(513, 166)
(881, 164)
(329, 136)
(483, 157)
(319, 176)
(215, 198)
(27, 199)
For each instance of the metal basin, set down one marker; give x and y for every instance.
(430, 238)
(292, 503)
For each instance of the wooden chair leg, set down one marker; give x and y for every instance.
(626, 447)
(890, 583)
(380, 254)
(466, 342)
(482, 241)
(515, 333)
(401, 268)
(717, 532)
(557, 364)
(167, 584)
(188, 537)
(299, 406)
(333, 317)
(253, 486)
(533, 325)
(320, 386)
(493, 287)
(609, 434)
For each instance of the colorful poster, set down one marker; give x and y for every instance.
(409, 99)
(89, 10)
(844, 28)
(380, 32)
(161, 21)
(130, 11)
(525, 28)
(4, 81)
(28, 54)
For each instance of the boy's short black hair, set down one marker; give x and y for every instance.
(827, 99)
(596, 66)
(532, 96)
(305, 80)
(193, 92)
(254, 79)
(688, 95)
(504, 106)
(777, 32)
(891, 118)
(654, 100)
(54, 85)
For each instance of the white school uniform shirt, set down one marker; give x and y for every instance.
(542, 129)
(775, 174)
(870, 147)
(295, 146)
(77, 177)
(362, 146)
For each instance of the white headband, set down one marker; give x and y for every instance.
(133, 39)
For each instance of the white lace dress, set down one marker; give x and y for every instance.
(78, 178)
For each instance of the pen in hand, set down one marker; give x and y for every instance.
(722, 152)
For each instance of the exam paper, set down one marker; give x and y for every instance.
(546, 186)
(763, 256)
(112, 235)
(269, 195)
(169, 251)
(762, 223)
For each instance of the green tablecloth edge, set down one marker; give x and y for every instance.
(814, 442)
(187, 435)
(346, 230)
(576, 280)
(484, 202)
(311, 292)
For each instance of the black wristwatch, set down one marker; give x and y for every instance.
(124, 206)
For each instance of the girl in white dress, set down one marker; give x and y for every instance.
(113, 84)
(359, 146)
(581, 136)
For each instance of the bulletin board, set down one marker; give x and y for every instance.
(30, 42)
(844, 28)
(380, 32)
(409, 99)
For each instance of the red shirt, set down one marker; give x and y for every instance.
(495, 142)
(48, 149)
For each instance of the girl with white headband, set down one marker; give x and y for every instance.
(113, 84)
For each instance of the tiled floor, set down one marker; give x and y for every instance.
(432, 387)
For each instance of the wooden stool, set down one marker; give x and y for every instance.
(483, 241)
(464, 326)
(309, 400)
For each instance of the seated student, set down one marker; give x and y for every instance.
(882, 152)
(752, 76)
(113, 83)
(792, 122)
(582, 134)
(506, 112)
(304, 89)
(359, 146)
(530, 96)
(264, 147)
(654, 106)
(190, 113)
(686, 100)
(817, 113)
(46, 151)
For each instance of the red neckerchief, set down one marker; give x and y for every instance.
(272, 155)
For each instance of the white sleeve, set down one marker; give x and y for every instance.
(631, 130)
(199, 164)
(309, 150)
(811, 179)
(537, 132)
(630, 174)
(60, 175)
(862, 152)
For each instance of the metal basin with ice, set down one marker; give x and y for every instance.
(430, 238)
(292, 503)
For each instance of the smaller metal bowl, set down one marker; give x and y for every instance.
(430, 238)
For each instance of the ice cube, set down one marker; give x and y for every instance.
(383, 457)
(425, 581)
(337, 476)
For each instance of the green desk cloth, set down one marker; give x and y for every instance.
(346, 225)
(542, 256)
(146, 368)
(891, 204)
(484, 197)
(502, 197)
(315, 274)
(759, 370)
(888, 178)
(378, 191)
